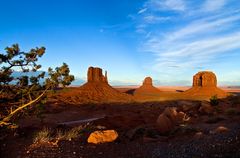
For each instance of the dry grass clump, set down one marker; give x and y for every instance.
(47, 135)
(43, 136)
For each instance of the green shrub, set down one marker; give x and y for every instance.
(214, 100)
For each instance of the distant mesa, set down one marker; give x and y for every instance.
(96, 90)
(205, 85)
(147, 87)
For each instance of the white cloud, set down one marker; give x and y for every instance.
(213, 5)
(203, 26)
(154, 19)
(142, 10)
(176, 5)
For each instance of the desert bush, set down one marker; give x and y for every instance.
(214, 100)
(18, 94)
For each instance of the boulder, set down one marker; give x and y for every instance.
(169, 119)
(105, 136)
(164, 124)
(171, 113)
(206, 108)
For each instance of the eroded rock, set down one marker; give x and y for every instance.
(205, 79)
(95, 75)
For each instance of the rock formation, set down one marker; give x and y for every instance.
(205, 86)
(95, 75)
(205, 79)
(96, 90)
(147, 88)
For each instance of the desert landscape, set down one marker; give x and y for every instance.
(120, 79)
(132, 121)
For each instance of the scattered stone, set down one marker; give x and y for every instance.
(105, 136)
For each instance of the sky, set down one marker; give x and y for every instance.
(169, 40)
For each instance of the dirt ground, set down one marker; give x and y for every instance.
(135, 124)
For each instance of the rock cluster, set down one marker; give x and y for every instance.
(205, 79)
(169, 119)
(95, 75)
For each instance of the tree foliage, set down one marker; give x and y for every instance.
(17, 93)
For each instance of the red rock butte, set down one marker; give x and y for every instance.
(147, 87)
(96, 90)
(95, 75)
(205, 79)
(205, 85)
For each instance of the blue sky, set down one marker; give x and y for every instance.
(170, 40)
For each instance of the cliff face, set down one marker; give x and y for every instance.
(205, 79)
(95, 75)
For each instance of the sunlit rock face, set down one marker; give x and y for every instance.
(95, 75)
(204, 86)
(205, 79)
(147, 81)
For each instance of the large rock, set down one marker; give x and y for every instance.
(95, 75)
(99, 137)
(167, 121)
(164, 124)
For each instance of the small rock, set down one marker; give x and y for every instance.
(221, 129)
(105, 136)
(198, 135)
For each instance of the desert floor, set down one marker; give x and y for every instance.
(135, 124)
